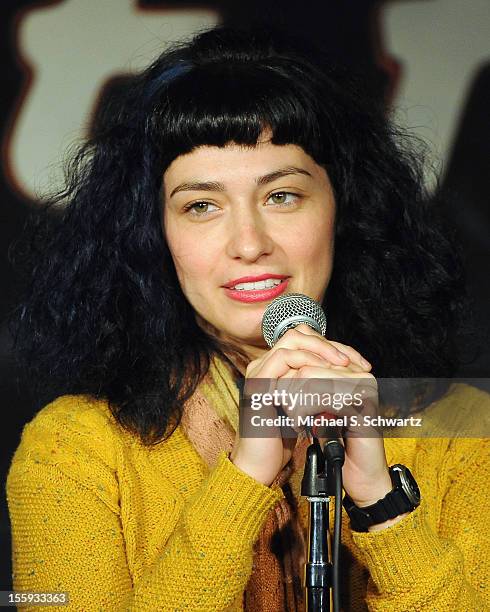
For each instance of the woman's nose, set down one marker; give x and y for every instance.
(248, 238)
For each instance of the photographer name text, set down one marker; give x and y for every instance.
(341, 421)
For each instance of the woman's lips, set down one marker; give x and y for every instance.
(254, 279)
(257, 295)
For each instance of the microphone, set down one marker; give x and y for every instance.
(288, 311)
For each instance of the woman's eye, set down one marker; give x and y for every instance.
(283, 198)
(199, 209)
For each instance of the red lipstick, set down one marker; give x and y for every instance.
(256, 295)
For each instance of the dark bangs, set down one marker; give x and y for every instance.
(216, 104)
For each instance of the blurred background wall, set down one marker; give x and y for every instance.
(428, 59)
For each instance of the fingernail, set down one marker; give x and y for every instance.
(365, 363)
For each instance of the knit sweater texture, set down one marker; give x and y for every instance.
(121, 526)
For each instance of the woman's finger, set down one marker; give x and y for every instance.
(353, 355)
(278, 362)
(334, 348)
(301, 339)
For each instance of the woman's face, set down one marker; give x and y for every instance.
(244, 225)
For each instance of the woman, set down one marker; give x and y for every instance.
(236, 168)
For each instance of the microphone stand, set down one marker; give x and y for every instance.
(322, 478)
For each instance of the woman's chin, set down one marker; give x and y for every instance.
(252, 342)
(245, 336)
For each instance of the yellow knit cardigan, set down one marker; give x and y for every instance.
(120, 526)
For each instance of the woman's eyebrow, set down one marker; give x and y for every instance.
(272, 176)
(261, 180)
(198, 186)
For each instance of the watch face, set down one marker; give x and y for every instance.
(409, 485)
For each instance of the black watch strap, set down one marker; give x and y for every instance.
(393, 504)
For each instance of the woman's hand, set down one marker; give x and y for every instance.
(304, 354)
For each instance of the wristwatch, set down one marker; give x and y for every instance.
(404, 497)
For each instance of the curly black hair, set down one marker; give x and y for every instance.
(103, 312)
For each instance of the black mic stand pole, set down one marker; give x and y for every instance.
(318, 485)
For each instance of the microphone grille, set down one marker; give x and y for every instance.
(288, 311)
